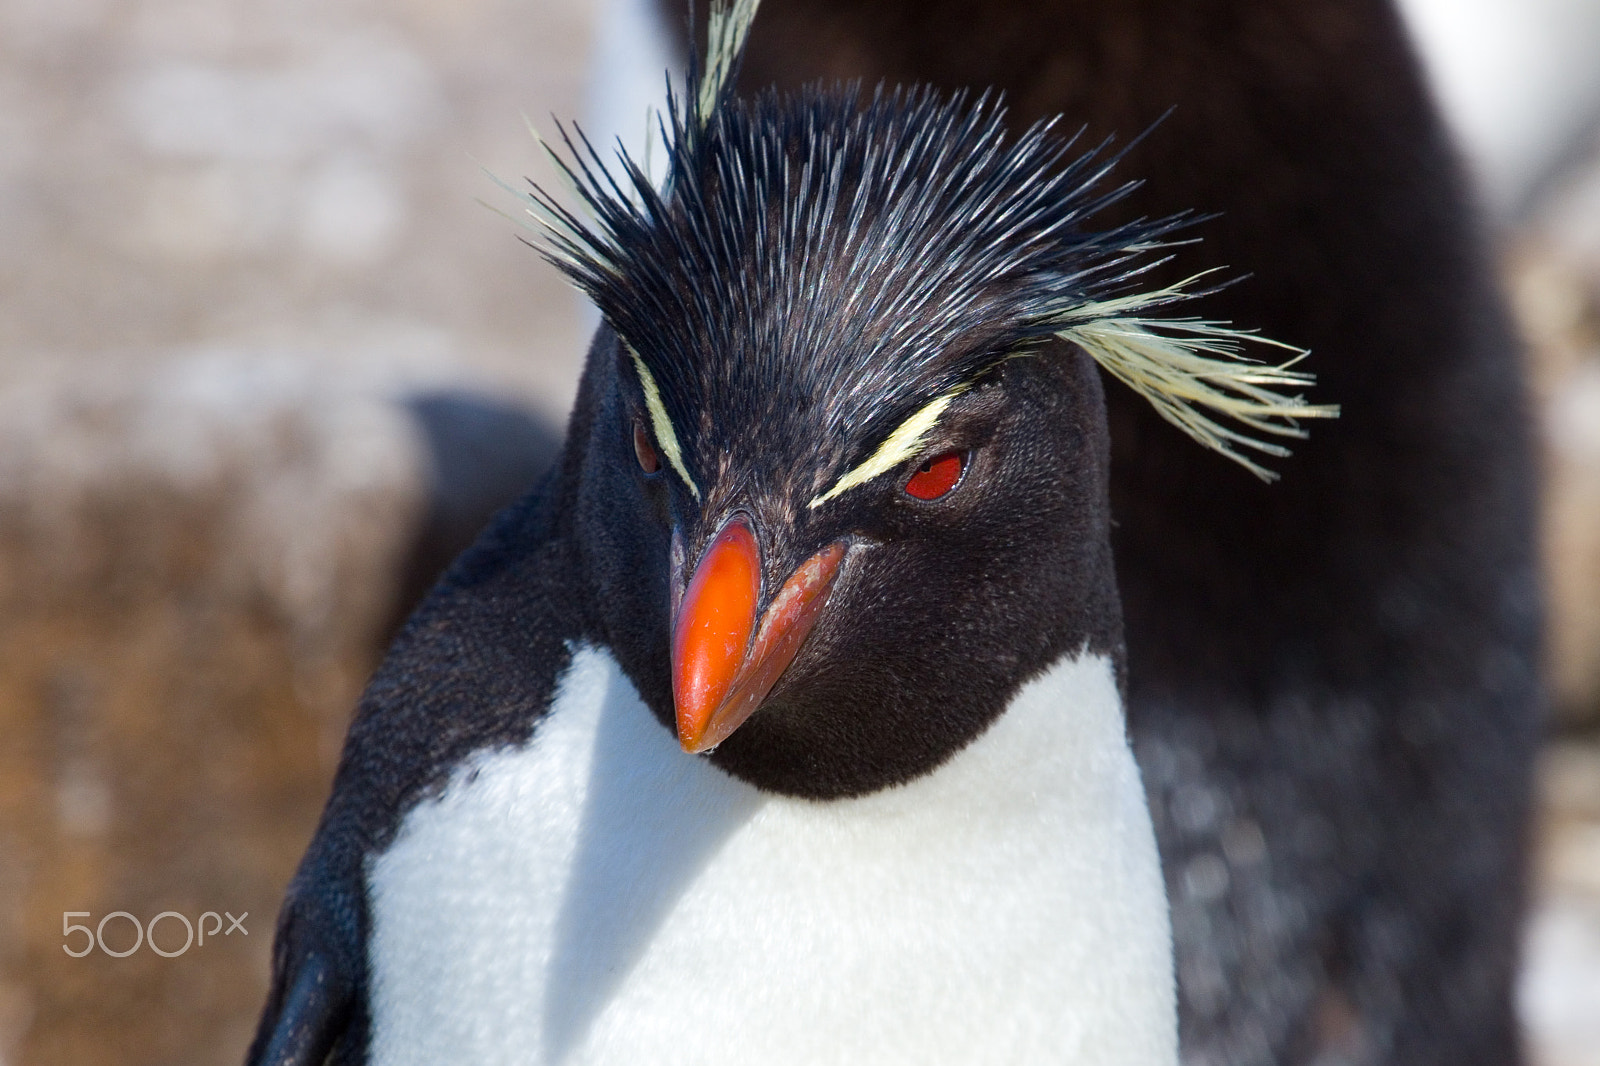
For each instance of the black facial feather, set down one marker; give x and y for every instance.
(821, 263)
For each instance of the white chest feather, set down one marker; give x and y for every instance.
(601, 897)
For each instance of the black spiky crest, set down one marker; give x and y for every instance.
(818, 265)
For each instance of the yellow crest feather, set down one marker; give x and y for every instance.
(729, 25)
(1187, 367)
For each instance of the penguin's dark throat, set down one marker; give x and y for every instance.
(723, 662)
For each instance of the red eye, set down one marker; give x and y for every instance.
(649, 461)
(937, 476)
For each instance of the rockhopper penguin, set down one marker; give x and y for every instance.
(782, 722)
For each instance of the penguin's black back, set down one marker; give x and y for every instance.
(1333, 680)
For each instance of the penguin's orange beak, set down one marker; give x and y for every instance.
(720, 674)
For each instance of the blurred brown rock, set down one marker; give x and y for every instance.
(194, 569)
(234, 238)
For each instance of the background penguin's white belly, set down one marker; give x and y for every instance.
(599, 896)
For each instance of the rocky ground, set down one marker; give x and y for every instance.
(234, 240)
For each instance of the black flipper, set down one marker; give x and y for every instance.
(315, 1002)
(306, 1013)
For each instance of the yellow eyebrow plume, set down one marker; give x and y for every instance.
(899, 446)
(661, 425)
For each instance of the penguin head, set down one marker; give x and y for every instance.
(842, 494)
(843, 482)
(834, 650)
